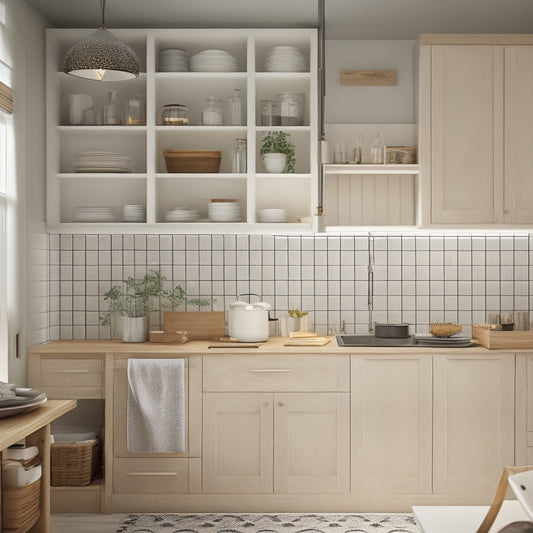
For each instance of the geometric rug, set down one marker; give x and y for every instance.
(270, 523)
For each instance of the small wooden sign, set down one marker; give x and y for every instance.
(6, 98)
(367, 77)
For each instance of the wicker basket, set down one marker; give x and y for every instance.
(401, 155)
(74, 464)
(21, 506)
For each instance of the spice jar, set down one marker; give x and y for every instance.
(212, 113)
(175, 115)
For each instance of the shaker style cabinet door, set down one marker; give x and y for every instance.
(466, 132)
(237, 437)
(391, 424)
(518, 134)
(473, 423)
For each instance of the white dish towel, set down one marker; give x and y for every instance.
(156, 406)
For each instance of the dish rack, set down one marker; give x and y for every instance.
(74, 464)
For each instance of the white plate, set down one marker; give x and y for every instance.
(21, 409)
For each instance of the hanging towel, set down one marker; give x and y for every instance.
(156, 406)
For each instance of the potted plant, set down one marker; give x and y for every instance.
(294, 320)
(133, 303)
(277, 152)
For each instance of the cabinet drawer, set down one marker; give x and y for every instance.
(72, 378)
(150, 476)
(276, 373)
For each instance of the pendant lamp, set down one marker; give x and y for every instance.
(101, 57)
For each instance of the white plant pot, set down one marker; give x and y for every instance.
(135, 329)
(289, 323)
(274, 163)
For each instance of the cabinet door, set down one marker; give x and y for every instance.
(237, 437)
(466, 134)
(311, 443)
(473, 423)
(391, 424)
(518, 134)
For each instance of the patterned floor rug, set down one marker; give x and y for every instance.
(269, 523)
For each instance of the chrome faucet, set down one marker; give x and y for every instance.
(370, 279)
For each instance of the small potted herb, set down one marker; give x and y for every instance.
(295, 320)
(277, 152)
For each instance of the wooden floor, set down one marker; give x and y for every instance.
(85, 523)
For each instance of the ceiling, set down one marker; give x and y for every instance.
(345, 19)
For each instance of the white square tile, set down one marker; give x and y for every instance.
(152, 258)
(66, 242)
(191, 242)
(140, 259)
(104, 242)
(230, 257)
(104, 257)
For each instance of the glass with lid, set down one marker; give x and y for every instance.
(175, 115)
(212, 113)
(291, 108)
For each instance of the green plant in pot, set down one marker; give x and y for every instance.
(277, 152)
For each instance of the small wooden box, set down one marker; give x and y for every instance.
(502, 340)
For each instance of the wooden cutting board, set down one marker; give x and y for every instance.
(308, 341)
(200, 325)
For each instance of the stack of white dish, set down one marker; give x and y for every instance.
(101, 162)
(214, 61)
(272, 215)
(173, 60)
(222, 210)
(94, 213)
(181, 214)
(285, 58)
(133, 213)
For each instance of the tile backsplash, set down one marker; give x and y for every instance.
(418, 278)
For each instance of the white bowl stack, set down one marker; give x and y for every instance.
(181, 214)
(94, 213)
(285, 58)
(97, 161)
(272, 215)
(133, 213)
(173, 60)
(221, 210)
(214, 61)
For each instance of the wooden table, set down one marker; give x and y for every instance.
(465, 519)
(34, 426)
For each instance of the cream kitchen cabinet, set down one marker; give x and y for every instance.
(475, 129)
(262, 440)
(391, 421)
(473, 423)
(524, 409)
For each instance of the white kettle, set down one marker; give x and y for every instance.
(248, 322)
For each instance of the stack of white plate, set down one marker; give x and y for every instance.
(272, 215)
(101, 162)
(173, 60)
(181, 214)
(133, 213)
(24, 400)
(94, 213)
(285, 58)
(220, 210)
(214, 61)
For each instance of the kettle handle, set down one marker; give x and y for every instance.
(248, 294)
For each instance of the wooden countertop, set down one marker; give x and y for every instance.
(274, 345)
(15, 428)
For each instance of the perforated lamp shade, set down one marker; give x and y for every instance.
(101, 57)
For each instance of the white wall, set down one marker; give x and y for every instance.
(373, 105)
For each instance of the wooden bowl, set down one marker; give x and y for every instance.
(194, 161)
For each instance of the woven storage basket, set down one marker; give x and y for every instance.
(401, 155)
(192, 160)
(21, 506)
(74, 464)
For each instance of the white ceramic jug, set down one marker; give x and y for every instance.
(78, 103)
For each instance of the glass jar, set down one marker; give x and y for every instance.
(378, 150)
(134, 111)
(269, 113)
(239, 156)
(111, 110)
(212, 113)
(175, 115)
(291, 109)
(235, 109)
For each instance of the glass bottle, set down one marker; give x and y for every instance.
(239, 156)
(377, 152)
(134, 111)
(212, 112)
(235, 114)
(111, 109)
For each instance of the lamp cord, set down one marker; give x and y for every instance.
(102, 7)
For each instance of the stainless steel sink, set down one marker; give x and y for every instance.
(371, 340)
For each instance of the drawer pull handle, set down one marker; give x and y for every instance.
(72, 371)
(270, 370)
(151, 473)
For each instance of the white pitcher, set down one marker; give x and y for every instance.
(78, 103)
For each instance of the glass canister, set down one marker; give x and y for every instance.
(112, 110)
(212, 113)
(269, 113)
(239, 156)
(235, 109)
(291, 108)
(175, 115)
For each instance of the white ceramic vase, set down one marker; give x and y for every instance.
(274, 163)
(135, 329)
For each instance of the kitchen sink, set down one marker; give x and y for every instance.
(371, 340)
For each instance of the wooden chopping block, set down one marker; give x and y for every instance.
(200, 325)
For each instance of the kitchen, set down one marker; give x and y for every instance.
(419, 276)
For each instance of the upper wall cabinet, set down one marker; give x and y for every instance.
(476, 129)
(108, 173)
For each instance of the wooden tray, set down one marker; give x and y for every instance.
(308, 341)
(199, 325)
(502, 340)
